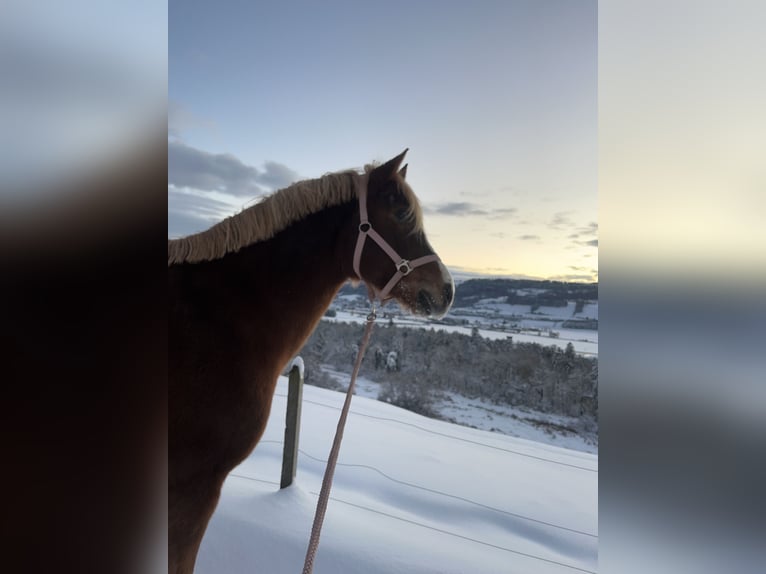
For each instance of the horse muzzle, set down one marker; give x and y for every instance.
(433, 302)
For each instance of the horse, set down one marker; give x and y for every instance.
(246, 294)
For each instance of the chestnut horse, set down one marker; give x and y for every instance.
(244, 297)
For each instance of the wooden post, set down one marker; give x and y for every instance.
(292, 426)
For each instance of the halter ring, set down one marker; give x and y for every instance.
(403, 268)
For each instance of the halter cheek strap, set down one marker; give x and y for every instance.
(403, 266)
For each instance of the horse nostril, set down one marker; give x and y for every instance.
(448, 293)
(424, 302)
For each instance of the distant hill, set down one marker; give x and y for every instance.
(524, 292)
(513, 291)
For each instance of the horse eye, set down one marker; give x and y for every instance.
(402, 214)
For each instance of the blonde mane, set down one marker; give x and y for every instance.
(265, 219)
(278, 211)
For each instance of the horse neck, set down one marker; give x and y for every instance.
(286, 283)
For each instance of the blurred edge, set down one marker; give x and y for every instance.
(83, 202)
(682, 373)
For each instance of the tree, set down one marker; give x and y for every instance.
(545, 378)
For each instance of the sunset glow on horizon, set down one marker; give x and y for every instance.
(496, 103)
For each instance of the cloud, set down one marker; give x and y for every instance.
(561, 220)
(528, 237)
(197, 169)
(193, 174)
(576, 278)
(587, 274)
(505, 272)
(473, 193)
(190, 213)
(225, 173)
(197, 204)
(465, 209)
(584, 236)
(277, 175)
(503, 213)
(589, 230)
(458, 209)
(497, 235)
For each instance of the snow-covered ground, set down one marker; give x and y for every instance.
(412, 496)
(477, 413)
(498, 306)
(585, 342)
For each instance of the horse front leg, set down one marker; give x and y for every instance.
(190, 506)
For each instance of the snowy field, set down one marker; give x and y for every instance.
(585, 342)
(499, 307)
(477, 413)
(412, 495)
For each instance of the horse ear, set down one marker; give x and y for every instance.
(388, 169)
(403, 171)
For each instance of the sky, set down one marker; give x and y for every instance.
(495, 100)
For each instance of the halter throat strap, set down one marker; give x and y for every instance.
(403, 267)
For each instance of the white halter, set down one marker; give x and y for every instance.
(403, 266)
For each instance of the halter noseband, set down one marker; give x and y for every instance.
(403, 266)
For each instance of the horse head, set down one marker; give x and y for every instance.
(392, 254)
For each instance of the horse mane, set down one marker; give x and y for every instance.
(265, 219)
(276, 212)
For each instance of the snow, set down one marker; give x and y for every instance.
(585, 342)
(498, 306)
(589, 311)
(412, 495)
(477, 413)
(298, 362)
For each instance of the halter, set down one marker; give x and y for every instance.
(403, 266)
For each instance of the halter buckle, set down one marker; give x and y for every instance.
(365, 227)
(372, 314)
(404, 267)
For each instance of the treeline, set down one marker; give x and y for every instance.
(517, 292)
(414, 365)
(514, 291)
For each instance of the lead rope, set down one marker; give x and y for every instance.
(324, 494)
